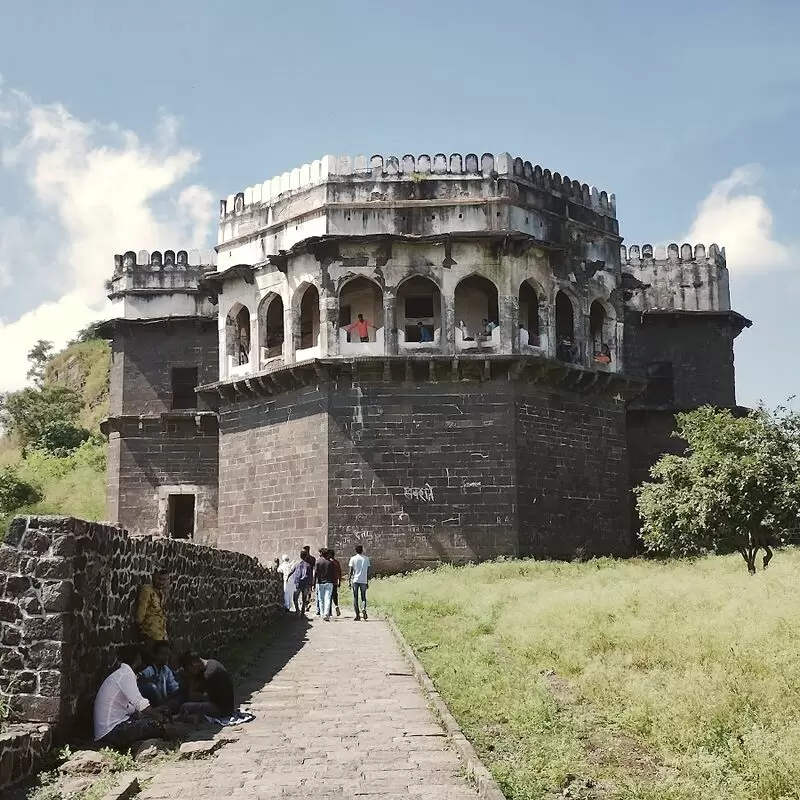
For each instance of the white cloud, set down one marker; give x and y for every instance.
(736, 217)
(88, 190)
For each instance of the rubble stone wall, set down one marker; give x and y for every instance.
(68, 591)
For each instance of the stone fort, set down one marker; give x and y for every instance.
(520, 371)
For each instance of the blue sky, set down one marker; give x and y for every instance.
(122, 125)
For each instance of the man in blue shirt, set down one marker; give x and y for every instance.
(157, 682)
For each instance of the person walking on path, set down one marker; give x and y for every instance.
(287, 569)
(303, 577)
(359, 580)
(324, 573)
(151, 618)
(337, 581)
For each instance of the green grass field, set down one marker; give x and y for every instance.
(617, 679)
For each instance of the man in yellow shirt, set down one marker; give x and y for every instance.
(151, 617)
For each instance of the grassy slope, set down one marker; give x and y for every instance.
(74, 485)
(657, 680)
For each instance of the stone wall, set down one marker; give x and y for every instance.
(22, 750)
(69, 590)
(422, 464)
(273, 473)
(699, 347)
(421, 473)
(573, 474)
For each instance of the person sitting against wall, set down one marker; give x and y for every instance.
(121, 715)
(210, 688)
(151, 618)
(361, 327)
(157, 682)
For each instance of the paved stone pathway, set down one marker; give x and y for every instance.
(342, 717)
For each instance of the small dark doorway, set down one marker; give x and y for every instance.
(566, 349)
(180, 517)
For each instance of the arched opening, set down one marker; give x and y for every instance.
(308, 333)
(477, 311)
(530, 317)
(419, 312)
(270, 327)
(566, 347)
(361, 311)
(600, 333)
(237, 335)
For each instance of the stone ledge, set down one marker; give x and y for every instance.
(22, 747)
(424, 368)
(487, 786)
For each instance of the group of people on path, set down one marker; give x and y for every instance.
(144, 697)
(322, 576)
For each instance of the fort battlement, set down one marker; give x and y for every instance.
(157, 271)
(409, 167)
(635, 255)
(685, 278)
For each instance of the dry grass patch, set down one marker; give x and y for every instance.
(621, 679)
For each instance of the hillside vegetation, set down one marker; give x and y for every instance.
(614, 679)
(65, 479)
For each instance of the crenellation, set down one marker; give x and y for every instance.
(392, 167)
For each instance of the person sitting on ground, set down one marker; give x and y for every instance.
(215, 698)
(361, 327)
(151, 618)
(157, 682)
(121, 715)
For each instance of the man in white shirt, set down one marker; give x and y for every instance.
(359, 580)
(121, 715)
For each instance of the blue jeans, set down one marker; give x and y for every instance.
(324, 595)
(359, 588)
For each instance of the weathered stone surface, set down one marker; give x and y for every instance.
(60, 638)
(84, 762)
(126, 788)
(199, 748)
(22, 748)
(150, 749)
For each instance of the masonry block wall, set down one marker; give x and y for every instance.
(273, 473)
(69, 590)
(155, 449)
(573, 474)
(424, 467)
(698, 345)
(422, 473)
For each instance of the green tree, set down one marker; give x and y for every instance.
(62, 438)
(15, 492)
(27, 414)
(738, 479)
(38, 356)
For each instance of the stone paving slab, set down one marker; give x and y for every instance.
(338, 715)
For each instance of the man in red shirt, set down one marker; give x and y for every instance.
(361, 327)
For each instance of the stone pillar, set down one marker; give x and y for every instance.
(328, 325)
(289, 314)
(508, 306)
(390, 323)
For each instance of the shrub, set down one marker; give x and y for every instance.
(15, 492)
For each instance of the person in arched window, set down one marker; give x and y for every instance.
(361, 327)
(603, 356)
